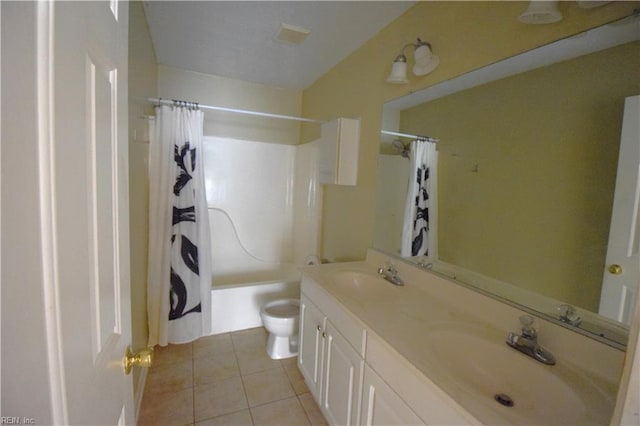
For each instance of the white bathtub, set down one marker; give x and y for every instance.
(236, 300)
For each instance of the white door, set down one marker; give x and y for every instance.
(622, 268)
(84, 99)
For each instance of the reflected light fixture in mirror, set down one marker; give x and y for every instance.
(541, 12)
(425, 62)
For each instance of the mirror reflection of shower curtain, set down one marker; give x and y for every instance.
(418, 229)
(179, 266)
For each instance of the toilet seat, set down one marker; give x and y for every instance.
(284, 308)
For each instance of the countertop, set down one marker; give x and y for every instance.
(408, 317)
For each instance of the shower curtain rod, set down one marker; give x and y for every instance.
(239, 111)
(408, 135)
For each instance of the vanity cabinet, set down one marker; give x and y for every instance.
(356, 377)
(382, 406)
(329, 360)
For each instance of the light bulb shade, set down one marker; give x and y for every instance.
(590, 4)
(398, 73)
(541, 12)
(425, 60)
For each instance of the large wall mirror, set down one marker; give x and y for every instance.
(527, 163)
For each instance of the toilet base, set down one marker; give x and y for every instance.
(280, 347)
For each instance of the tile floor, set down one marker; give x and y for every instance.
(227, 379)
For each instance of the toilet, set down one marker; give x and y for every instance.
(281, 318)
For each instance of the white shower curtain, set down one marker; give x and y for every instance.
(418, 238)
(179, 271)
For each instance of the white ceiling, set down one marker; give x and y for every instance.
(235, 39)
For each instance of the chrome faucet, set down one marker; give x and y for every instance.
(527, 342)
(569, 315)
(425, 264)
(388, 272)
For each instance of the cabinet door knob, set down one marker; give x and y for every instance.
(324, 334)
(318, 328)
(615, 269)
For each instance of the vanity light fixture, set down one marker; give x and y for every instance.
(425, 62)
(541, 12)
(590, 4)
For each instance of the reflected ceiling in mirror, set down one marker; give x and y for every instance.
(528, 155)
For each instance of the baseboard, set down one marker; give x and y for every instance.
(142, 379)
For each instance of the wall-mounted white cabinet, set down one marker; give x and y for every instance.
(339, 151)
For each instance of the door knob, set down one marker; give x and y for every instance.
(615, 269)
(144, 358)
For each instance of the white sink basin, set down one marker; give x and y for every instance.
(477, 359)
(363, 287)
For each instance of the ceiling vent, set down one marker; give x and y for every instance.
(290, 34)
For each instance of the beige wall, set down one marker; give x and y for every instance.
(465, 35)
(545, 146)
(209, 89)
(142, 84)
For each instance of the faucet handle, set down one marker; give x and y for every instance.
(526, 321)
(387, 267)
(390, 267)
(568, 314)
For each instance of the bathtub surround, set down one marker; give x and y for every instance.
(249, 188)
(264, 219)
(179, 240)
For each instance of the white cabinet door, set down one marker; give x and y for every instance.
(311, 345)
(342, 386)
(339, 150)
(382, 406)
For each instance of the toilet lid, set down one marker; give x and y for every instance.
(283, 310)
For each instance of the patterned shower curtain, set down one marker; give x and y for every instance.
(179, 269)
(416, 229)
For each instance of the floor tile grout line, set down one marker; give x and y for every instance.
(244, 389)
(305, 410)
